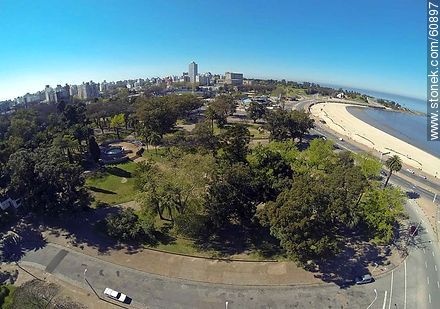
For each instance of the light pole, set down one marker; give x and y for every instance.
(383, 153)
(226, 305)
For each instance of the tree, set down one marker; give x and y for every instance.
(234, 143)
(67, 144)
(300, 219)
(221, 108)
(156, 114)
(174, 189)
(232, 196)
(272, 171)
(369, 165)
(203, 136)
(117, 122)
(276, 124)
(283, 125)
(126, 225)
(94, 149)
(394, 164)
(299, 124)
(380, 210)
(46, 182)
(256, 111)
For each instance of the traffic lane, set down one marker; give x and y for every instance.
(425, 249)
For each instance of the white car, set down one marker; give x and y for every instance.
(410, 170)
(341, 139)
(115, 295)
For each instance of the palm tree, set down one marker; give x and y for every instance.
(394, 164)
(154, 139)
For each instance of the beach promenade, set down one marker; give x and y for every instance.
(338, 119)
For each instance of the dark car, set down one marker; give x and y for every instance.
(413, 230)
(364, 279)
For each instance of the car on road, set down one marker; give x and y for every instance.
(410, 171)
(364, 279)
(413, 230)
(423, 176)
(341, 139)
(115, 295)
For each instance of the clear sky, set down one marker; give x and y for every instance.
(372, 44)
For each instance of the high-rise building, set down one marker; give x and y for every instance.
(192, 71)
(233, 78)
(73, 91)
(89, 90)
(49, 94)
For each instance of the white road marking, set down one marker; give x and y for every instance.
(391, 288)
(435, 267)
(426, 265)
(424, 251)
(404, 300)
(384, 300)
(375, 292)
(427, 279)
(429, 297)
(438, 285)
(433, 253)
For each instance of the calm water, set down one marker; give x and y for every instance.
(408, 127)
(414, 104)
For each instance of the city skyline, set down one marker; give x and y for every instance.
(284, 44)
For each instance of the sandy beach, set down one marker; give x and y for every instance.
(340, 120)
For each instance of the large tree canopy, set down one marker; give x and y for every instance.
(46, 182)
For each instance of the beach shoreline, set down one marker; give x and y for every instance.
(340, 120)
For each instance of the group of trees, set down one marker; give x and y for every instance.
(43, 149)
(41, 153)
(310, 200)
(37, 294)
(283, 124)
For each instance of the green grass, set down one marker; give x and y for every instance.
(109, 187)
(8, 299)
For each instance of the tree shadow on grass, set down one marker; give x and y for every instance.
(87, 229)
(116, 171)
(100, 190)
(234, 239)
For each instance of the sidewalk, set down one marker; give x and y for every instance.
(250, 273)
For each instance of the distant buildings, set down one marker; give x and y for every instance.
(193, 71)
(233, 78)
(89, 90)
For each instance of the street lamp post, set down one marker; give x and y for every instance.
(226, 305)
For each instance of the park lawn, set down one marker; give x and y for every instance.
(114, 185)
(255, 134)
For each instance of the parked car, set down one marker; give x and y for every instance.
(341, 139)
(115, 295)
(364, 279)
(413, 230)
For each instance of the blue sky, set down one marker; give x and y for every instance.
(372, 44)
